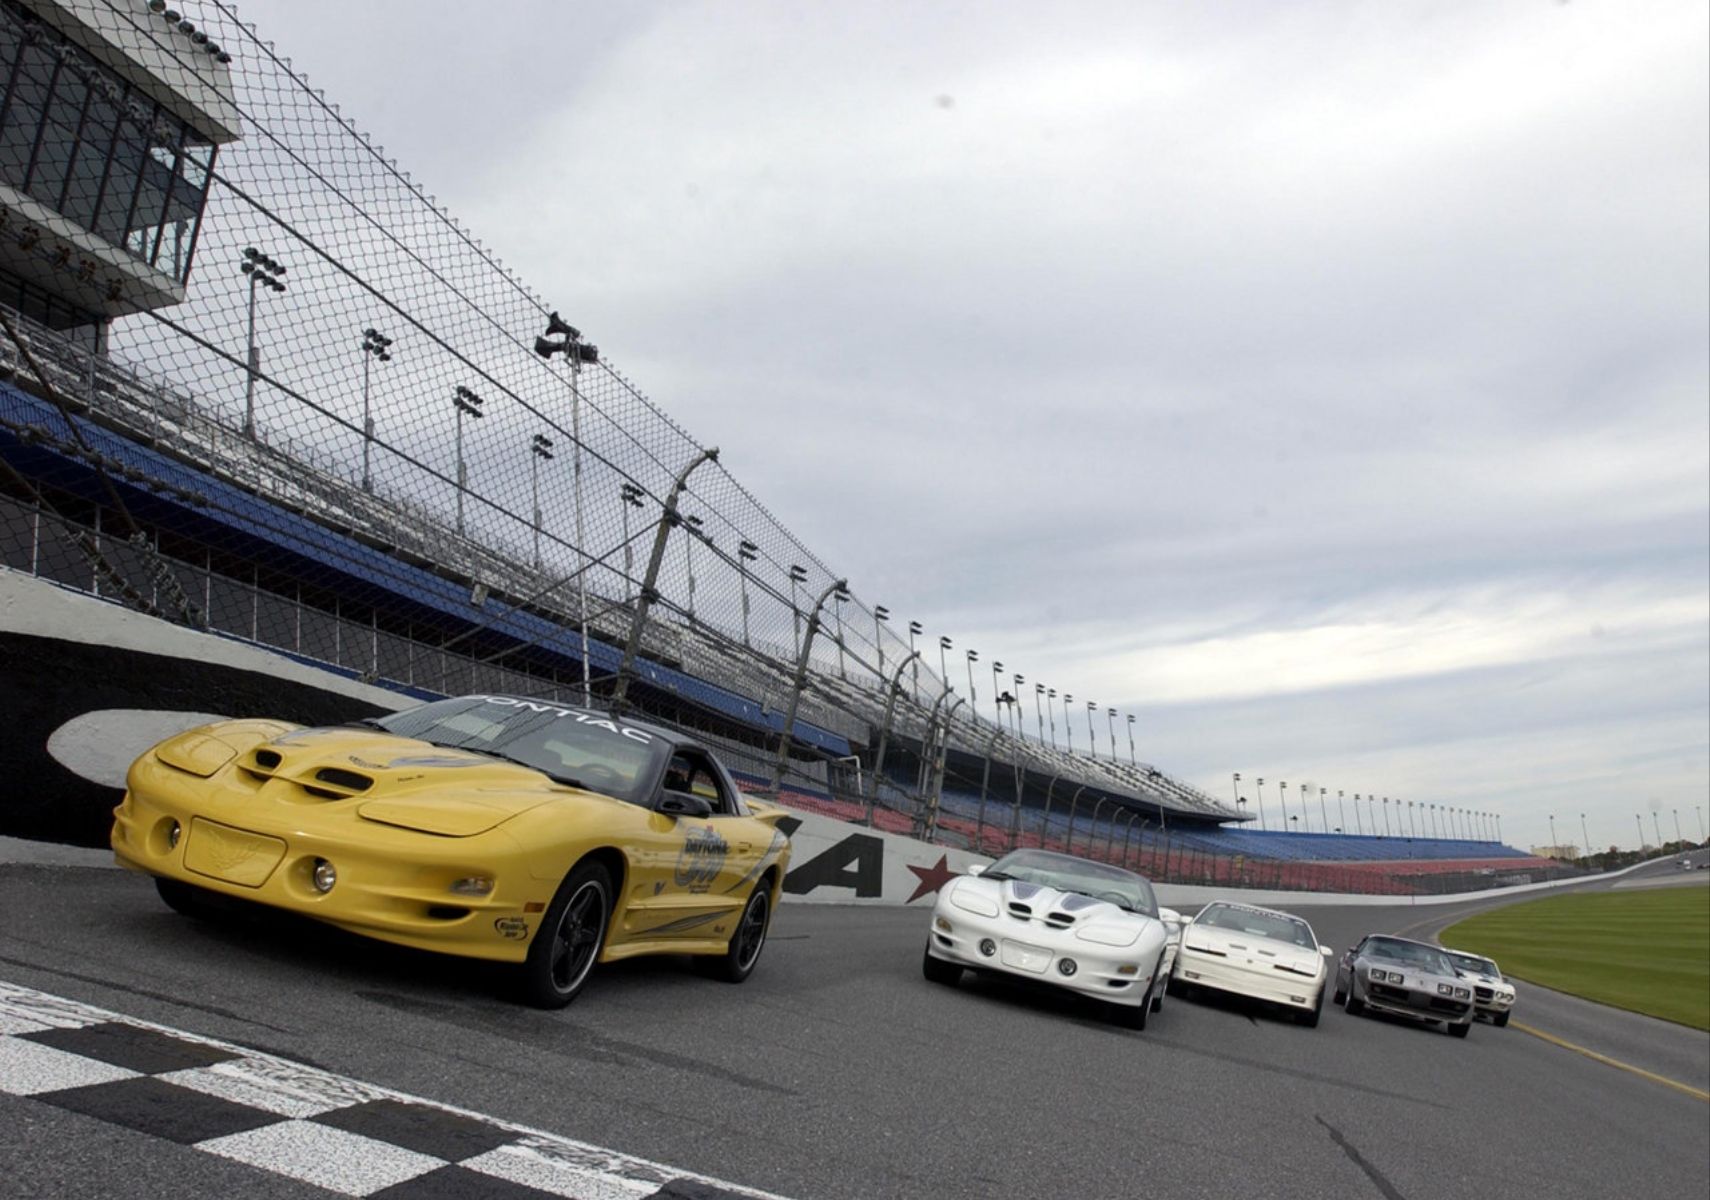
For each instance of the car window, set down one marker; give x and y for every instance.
(693, 772)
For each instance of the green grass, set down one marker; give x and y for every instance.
(1646, 951)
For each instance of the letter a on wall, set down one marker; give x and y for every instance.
(857, 862)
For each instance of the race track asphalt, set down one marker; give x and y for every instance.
(838, 1073)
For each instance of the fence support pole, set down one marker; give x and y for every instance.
(649, 591)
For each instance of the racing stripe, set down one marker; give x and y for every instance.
(765, 860)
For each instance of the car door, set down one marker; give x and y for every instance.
(694, 864)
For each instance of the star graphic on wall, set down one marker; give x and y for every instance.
(931, 878)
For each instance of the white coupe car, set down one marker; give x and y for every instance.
(1082, 926)
(1256, 952)
(1493, 996)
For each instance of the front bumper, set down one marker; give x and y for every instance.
(1404, 1001)
(1269, 984)
(1026, 952)
(392, 884)
(1495, 1004)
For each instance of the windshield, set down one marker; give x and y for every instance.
(1070, 874)
(1475, 964)
(573, 746)
(1412, 954)
(1257, 922)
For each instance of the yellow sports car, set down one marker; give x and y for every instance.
(495, 827)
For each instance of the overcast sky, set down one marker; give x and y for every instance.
(1328, 384)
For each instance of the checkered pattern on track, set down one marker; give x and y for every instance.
(348, 1137)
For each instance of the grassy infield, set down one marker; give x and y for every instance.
(1647, 951)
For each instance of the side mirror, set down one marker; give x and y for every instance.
(684, 804)
(977, 869)
(1326, 952)
(1170, 916)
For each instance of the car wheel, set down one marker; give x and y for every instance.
(937, 970)
(738, 961)
(186, 899)
(1158, 996)
(1133, 1016)
(1499, 1020)
(1309, 1018)
(1460, 1031)
(569, 939)
(1355, 1005)
(1341, 997)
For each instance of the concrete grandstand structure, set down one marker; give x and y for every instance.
(464, 513)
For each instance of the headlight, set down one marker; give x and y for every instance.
(1462, 994)
(972, 901)
(1109, 935)
(1378, 975)
(473, 885)
(943, 925)
(324, 875)
(1447, 990)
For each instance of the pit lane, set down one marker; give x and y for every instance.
(836, 1071)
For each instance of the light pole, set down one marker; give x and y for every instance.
(880, 615)
(1051, 714)
(1068, 729)
(1235, 789)
(997, 686)
(1342, 813)
(268, 273)
(1585, 837)
(540, 447)
(629, 496)
(467, 404)
(691, 531)
(1324, 813)
(1015, 709)
(1282, 790)
(1656, 823)
(579, 352)
(798, 576)
(1386, 816)
(943, 669)
(746, 552)
(837, 599)
(914, 630)
(1110, 724)
(1132, 760)
(1640, 822)
(1677, 834)
(973, 657)
(374, 346)
(1259, 800)
(1092, 739)
(1039, 711)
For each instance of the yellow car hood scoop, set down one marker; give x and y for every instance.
(449, 816)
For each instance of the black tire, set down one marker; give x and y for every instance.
(1341, 997)
(1460, 1031)
(1309, 1018)
(746, 940)
(569, 940)
(1355, 1005)
(186, 899)
(1158, 998)
(937, 970)
(1499, 1020)
(1133, 1016)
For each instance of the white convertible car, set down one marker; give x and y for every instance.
(1256, 952)
(1082, 926)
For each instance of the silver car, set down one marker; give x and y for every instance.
(1493, 996)
(1405, 978)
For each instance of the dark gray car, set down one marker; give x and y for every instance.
(1406, 978)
